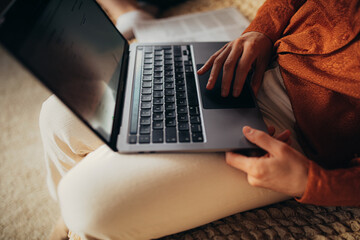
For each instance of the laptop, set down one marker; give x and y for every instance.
(136, 98)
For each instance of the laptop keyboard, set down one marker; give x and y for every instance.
(165, 107)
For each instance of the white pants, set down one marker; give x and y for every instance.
(107, 195)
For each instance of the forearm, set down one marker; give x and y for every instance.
(339, 187)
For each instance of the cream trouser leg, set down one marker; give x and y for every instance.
(107, 195)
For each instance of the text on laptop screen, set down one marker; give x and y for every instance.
(77, 52)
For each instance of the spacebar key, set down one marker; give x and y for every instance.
(191, 90)
(136, 94)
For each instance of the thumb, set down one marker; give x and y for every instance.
(261, 139)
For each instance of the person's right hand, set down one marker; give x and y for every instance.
(251, 49)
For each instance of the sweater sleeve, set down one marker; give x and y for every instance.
(273, 17)
(340, 187)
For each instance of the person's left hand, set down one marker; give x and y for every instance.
(282, 169)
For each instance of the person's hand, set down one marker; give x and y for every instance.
(251, 49)
(282, 169)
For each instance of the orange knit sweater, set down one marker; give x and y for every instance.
(318, 48)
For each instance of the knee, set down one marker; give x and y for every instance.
(79, 207)
(86, 207)
(52, 117)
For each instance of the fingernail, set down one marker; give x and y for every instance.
(236, 92)
(247, 130)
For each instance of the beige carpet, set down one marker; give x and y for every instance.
(26, 209)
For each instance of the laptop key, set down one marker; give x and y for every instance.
(158, 80)
(158, 136)
(146, 91)
(158, 116)
(197, 137)
(145, 121)
(144, 139)
(180, 88)
(169, 106)
(158, 69)
(158, 87)
(170, 122)
(158, 108)
(189, 69)
(170, 133)
(182, 117)
(145, 113)
(169, 85)
(168, 67)
(169, 99)
(180, 95)
(180, 81)
(158, 125)
(158, 74)
(184, 136)
(148, 49)
(188, 63)
(158, 63)
(195, 128)
(158, 57)
(132, 139)
(181, 109)
(183, 126)
(194, 111)
(194, 119)
(181, 102)
(191, 91)
(170, 114)
(147, 78)
(145, 105)
(158, 94)
(148, 66)
(169, 79)
(145, 129)
(146, 98)
(169, 92)
(147, 72)
(158, 101)
(148, 61)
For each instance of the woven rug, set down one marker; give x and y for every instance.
(286, 220)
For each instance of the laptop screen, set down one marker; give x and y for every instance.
(74, 49)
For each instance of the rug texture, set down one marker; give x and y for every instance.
(286, 220)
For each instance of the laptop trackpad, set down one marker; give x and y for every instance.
(212, 99)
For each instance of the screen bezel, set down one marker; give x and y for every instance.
(27, 9)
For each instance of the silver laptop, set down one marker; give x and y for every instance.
(137, 98)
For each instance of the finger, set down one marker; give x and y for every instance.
(263, 140)
(271, 130)
(211, 60)
(242, 71)
(258, 76)
(229, 67)
(217, 66)
(239, 161)
(284, 136)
